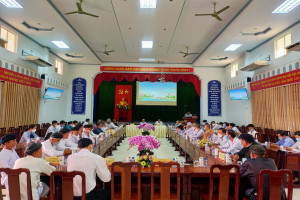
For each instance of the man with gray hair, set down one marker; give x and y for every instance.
(37, 166)
(250, 170)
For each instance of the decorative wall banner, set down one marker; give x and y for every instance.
(214, 98)
(78, 96)
(15, 77)
(147, 69)
(123, 103)
(278, 80)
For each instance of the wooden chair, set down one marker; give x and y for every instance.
(224, 179)
(67, 184)
(2, 131)
(275, 184)
(14, 182)
(260, 137)
(10, 130)
(165, 193)
(126, 193)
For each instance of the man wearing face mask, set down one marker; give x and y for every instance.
(284, 139)
(88, 133)
(51, 147)
(61, 125)
(233, 145)
(74, 136)
(52, 129)
(251, 130)
(211, 136)
(222, 137)
(296, 146)
(8, 155)
(30, 134)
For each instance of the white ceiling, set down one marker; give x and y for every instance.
(122, 25)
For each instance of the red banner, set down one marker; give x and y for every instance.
(281, 79)
(123, 97)
(147, 69)
(15, 77)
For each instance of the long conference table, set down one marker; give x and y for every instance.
(159, 132)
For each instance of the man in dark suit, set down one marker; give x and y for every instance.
(250, 172)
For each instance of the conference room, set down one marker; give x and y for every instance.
(149, 99)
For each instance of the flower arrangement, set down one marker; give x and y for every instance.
(144, 144)
(123, 107)
(201, 143)
(146, 160)
(146, 128)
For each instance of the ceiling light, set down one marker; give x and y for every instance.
(147, 3)
(287, 6)
(60, 44)
(147, 59)
(147, 44)
(233, 47)
(11, 3)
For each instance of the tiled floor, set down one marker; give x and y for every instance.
(165, 151)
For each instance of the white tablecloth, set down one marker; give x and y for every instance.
(132, 130)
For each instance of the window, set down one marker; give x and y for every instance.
(11, 38)
(58, 67)
(281, 43)
(234, 70)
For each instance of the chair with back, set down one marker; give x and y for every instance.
(67, 184)
(126, 193)
(275, 184)
(224, 180)
(165, 193)
(14, 183)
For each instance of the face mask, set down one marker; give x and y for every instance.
(63, 126)
(219, 135)
(298, 139)
(227, 138)
(34, 130)
(280, 138)
(251, 130)
(55, 126)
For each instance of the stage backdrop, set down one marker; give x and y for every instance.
(187, 100)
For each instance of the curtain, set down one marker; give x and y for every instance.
(19, 105)
(187, 100)
(293, 102)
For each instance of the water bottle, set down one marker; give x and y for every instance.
(201, 162)
(213, 151)
(205, 162)
(66, 161)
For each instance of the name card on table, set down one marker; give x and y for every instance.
(109, 161)
(222, 156)
(54, 160)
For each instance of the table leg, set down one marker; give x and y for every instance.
(189, 187)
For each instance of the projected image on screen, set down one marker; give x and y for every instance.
(53, 93)
(238, 94)
(156, 93)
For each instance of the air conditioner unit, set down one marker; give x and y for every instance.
(293, 47)
(38, 61)
(255, 65)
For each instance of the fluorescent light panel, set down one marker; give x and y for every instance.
(233, 47)
(147, 44)
(147, 3)
(287, 6)
(11, 3)
(60, 44)
(147, 59)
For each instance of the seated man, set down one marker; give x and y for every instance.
(37, 166)
(30, 134)
(198, 133)
(177, 123)
(188, 114)
(61, 125)
(211, 136)
(98, 129)
(222, 137)
(204, 122)
(87, 121)
(143, 122)
(251, 130)
(207, 128)
(74, 135)
(8, 155)
(296, 146)
(284, 139)
(189, 130)
(91, 164)
(215, 126)
(110, 124)
(51, 147)
(158, 122)
(64, 142)
(51, 129)
(235, 129)
(233, 145)
(250, 170)
(69, 125)
(247, 141)
(88, 133)
(75, 123)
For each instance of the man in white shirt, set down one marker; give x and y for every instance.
(233, 145)
(51, 147)
(143, 122)
(296, 146)
(222, 138)
(74, 135)
(189, 130)
(37, 166)
(111, 125)
(87, 121)
(215, 126)
(30, 134)
(61, 125)
(188, 114)
(198, 133)
(8, 155)
(88, 133)
(158, 122)
(91, 164)
(52, 129)
(235, 129)
(251, 130)
(211, 136)
(177, 123)
(64, 142)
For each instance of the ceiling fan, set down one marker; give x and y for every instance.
(106, 51)
(80, 11)
(187, 52)
(215, 14)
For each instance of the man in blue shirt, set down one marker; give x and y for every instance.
(30, 134)
(97, 130)
(284, 139)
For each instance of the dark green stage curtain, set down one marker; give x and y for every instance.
(187, 100)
